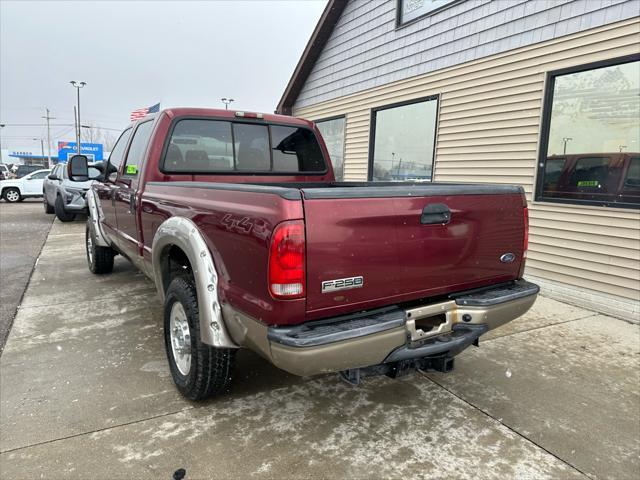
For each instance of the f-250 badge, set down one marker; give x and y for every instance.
(342, 284)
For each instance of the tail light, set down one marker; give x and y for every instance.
(286, 261)
(525, 245)
(525, 241)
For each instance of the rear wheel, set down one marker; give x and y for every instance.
(198, 370)
(62, 215)
(11, 195)
(100, 259)
(47, 208)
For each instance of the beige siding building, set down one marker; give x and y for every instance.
(536, 93)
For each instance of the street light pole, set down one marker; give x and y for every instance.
(565, 141)
(78, 86)
(1, 127)
(226, 102)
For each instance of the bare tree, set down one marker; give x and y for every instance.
(93, 134)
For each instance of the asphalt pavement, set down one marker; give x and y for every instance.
(85, 392)
(23, 229)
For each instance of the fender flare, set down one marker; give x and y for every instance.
(184, 234)
(94, 218)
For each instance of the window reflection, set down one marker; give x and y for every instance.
(594, 135)
(333, 134)
(404, 140)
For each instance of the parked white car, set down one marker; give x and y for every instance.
(18, 189)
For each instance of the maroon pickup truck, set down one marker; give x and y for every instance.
(251, 243)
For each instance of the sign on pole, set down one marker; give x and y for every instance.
(93, 151)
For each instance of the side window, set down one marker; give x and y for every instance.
(117, 154)
(137, 148)
(590, 172)
(295, 150)
(39, 175)
(632, 180)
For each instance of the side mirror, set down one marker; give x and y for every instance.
(78, 168)
(52, 176)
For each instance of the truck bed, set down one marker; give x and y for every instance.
(353, 230)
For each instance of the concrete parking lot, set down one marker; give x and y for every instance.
(86, 393)
(23, 230)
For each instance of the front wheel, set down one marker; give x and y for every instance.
(12, 195)
(100, 259)
(198, 370)
(62, 215)
(47, 207)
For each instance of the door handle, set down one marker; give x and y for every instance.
(435, 213)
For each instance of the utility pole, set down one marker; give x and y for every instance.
(47, 118)
(78, 86)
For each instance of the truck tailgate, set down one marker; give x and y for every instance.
(397, 238)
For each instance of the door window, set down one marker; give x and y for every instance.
(137, 148)
(117, 154)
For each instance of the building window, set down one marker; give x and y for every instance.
(403, 140)
(332, 131)
(591, 135)
(410, 10)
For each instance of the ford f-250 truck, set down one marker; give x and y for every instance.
(251, 243)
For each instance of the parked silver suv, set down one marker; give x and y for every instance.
(64, 197)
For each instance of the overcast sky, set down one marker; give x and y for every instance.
(135, 54)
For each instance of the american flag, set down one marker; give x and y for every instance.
(143, 112)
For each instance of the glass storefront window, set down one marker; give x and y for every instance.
(591, 133)
(332, 131)
(404, 139)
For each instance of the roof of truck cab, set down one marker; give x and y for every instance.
(230, 114)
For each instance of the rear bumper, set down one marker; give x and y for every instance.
(388, 335)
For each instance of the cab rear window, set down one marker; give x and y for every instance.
(217, 146)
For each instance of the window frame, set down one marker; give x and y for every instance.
(268, 124)
(344, 139)
(400, 24)
(372, 131)
(545, 124)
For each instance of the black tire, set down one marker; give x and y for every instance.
(62, 215)
(100, 259)
(211, 369)
(47, 208)
(9, 195)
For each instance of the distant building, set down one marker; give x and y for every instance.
(544, 94)
(30, 156)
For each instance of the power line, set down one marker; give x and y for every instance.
(59, 125)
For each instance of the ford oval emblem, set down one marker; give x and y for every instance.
(507, 258)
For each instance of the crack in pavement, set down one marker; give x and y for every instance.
(90, 432)
(533, 329)
(476, 407)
